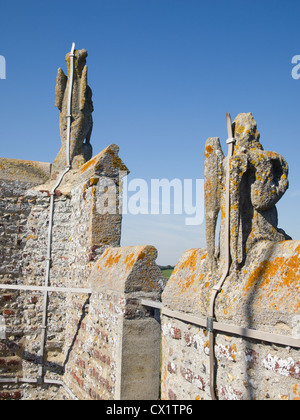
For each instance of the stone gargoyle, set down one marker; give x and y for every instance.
(82, 108)
(258, 180)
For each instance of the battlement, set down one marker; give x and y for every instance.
(83, 318)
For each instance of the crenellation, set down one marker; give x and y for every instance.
(103, 341)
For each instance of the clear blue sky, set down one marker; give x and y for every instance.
(163, 75)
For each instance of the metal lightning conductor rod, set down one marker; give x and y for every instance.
(218, 287)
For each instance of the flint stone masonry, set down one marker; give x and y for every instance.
(116, 354)
(266, 297)
(17, 178)
(83, 228)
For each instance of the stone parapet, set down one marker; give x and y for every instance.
(24, 171)
(116, 355)
(265, 296)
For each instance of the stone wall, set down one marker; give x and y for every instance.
(103, 343)
(116, 353)
(264, 297)
(82, 229)
(16, 179)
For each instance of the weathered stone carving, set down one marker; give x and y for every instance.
(82, 108)
(260, 291)
(258, 180)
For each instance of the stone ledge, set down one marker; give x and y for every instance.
(265, 295)
(128, 269)
(105, 164)
(25, 171)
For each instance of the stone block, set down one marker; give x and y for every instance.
(119, 339)
(24, 171)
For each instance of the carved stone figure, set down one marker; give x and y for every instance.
(258, 180)
(82, 108)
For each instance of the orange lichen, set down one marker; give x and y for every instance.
(185, 273)
(91, 163)
(187, 283)
(117, 163)
(239, 129)
(129, 261)
(191, 262)
(296, 392)
(94, 181)
(112, 259)
(280, 275)
(228, 351)
(33, 237)
(141, 255)
(208, 151)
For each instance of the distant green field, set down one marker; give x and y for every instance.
(167, 270)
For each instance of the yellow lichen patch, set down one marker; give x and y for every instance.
(141, 255)
(223, 212)
(33, 237)
(117, 163)
(129, 261)
(85, 187)
(94, 181)
(91, 163)
(271, 155)
(97, 160)
(277, 279)
(296, 392)
(239, 129)
(206, 345)
(186, 283)
(208, 188)
(208, 151)
(261, 276)
(151, 253)
(185, 274)
(191, 262)
(232, 350)
(112, 259)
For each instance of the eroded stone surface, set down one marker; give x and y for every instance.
(261, 291)
(117, 350)
(82, 108)
(258, 180)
